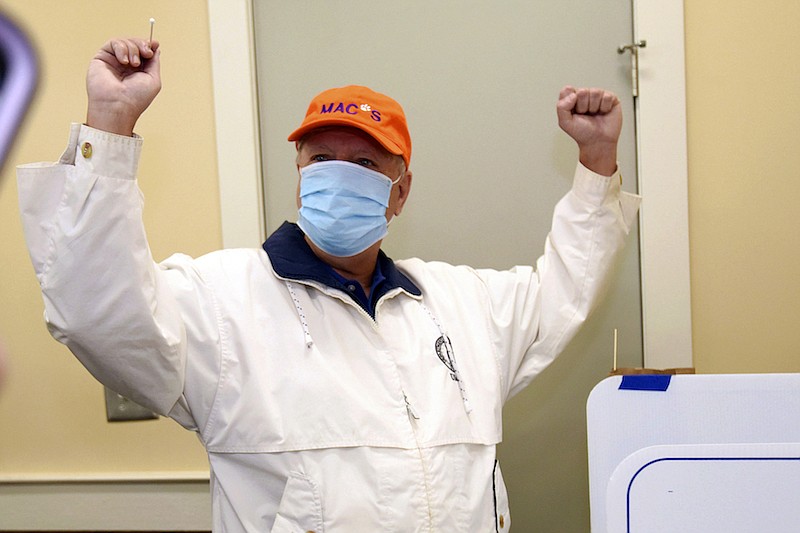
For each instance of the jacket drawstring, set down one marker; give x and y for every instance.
(309, 341)
(452, 357)
(448, 345)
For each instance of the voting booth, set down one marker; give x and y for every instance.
(695, 453)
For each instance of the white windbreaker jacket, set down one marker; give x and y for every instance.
(316, 416)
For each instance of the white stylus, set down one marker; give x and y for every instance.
(152, 23)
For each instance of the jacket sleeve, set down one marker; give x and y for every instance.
(535, 313)
(104, 297)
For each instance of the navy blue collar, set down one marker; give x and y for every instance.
(293, 259)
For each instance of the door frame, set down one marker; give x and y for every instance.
(660, 144)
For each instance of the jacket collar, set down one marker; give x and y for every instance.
(293, 259)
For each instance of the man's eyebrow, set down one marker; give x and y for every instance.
(363, 151)
(311, 145)
(372, 153)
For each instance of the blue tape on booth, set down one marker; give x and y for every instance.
(653, 382)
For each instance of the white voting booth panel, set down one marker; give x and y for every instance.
(695, 453)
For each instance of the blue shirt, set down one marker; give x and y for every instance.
(292, 258)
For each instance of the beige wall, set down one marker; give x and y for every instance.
(744, 167)
(52, 417)
(743, 94)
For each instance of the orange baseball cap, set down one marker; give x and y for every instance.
(360, 107)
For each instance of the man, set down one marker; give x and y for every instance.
(333, 388)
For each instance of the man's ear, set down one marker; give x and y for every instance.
(404, 186)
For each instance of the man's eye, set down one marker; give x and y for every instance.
(319, 157)
(364, 162)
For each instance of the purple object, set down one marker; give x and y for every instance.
(19, 73)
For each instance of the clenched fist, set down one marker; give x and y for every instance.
(593, 118)
(123, 79)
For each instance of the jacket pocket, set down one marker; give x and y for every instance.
(502, 516)
(300, 509)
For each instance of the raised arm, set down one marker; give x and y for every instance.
(126, 318)
(589, 230)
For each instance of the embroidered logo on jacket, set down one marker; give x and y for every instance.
(444, 349)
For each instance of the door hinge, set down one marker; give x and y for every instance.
(633, 48)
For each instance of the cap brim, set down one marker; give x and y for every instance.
(300, 132)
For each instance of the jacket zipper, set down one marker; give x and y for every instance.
(413, 416)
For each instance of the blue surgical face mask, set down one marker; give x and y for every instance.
(343, 206)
